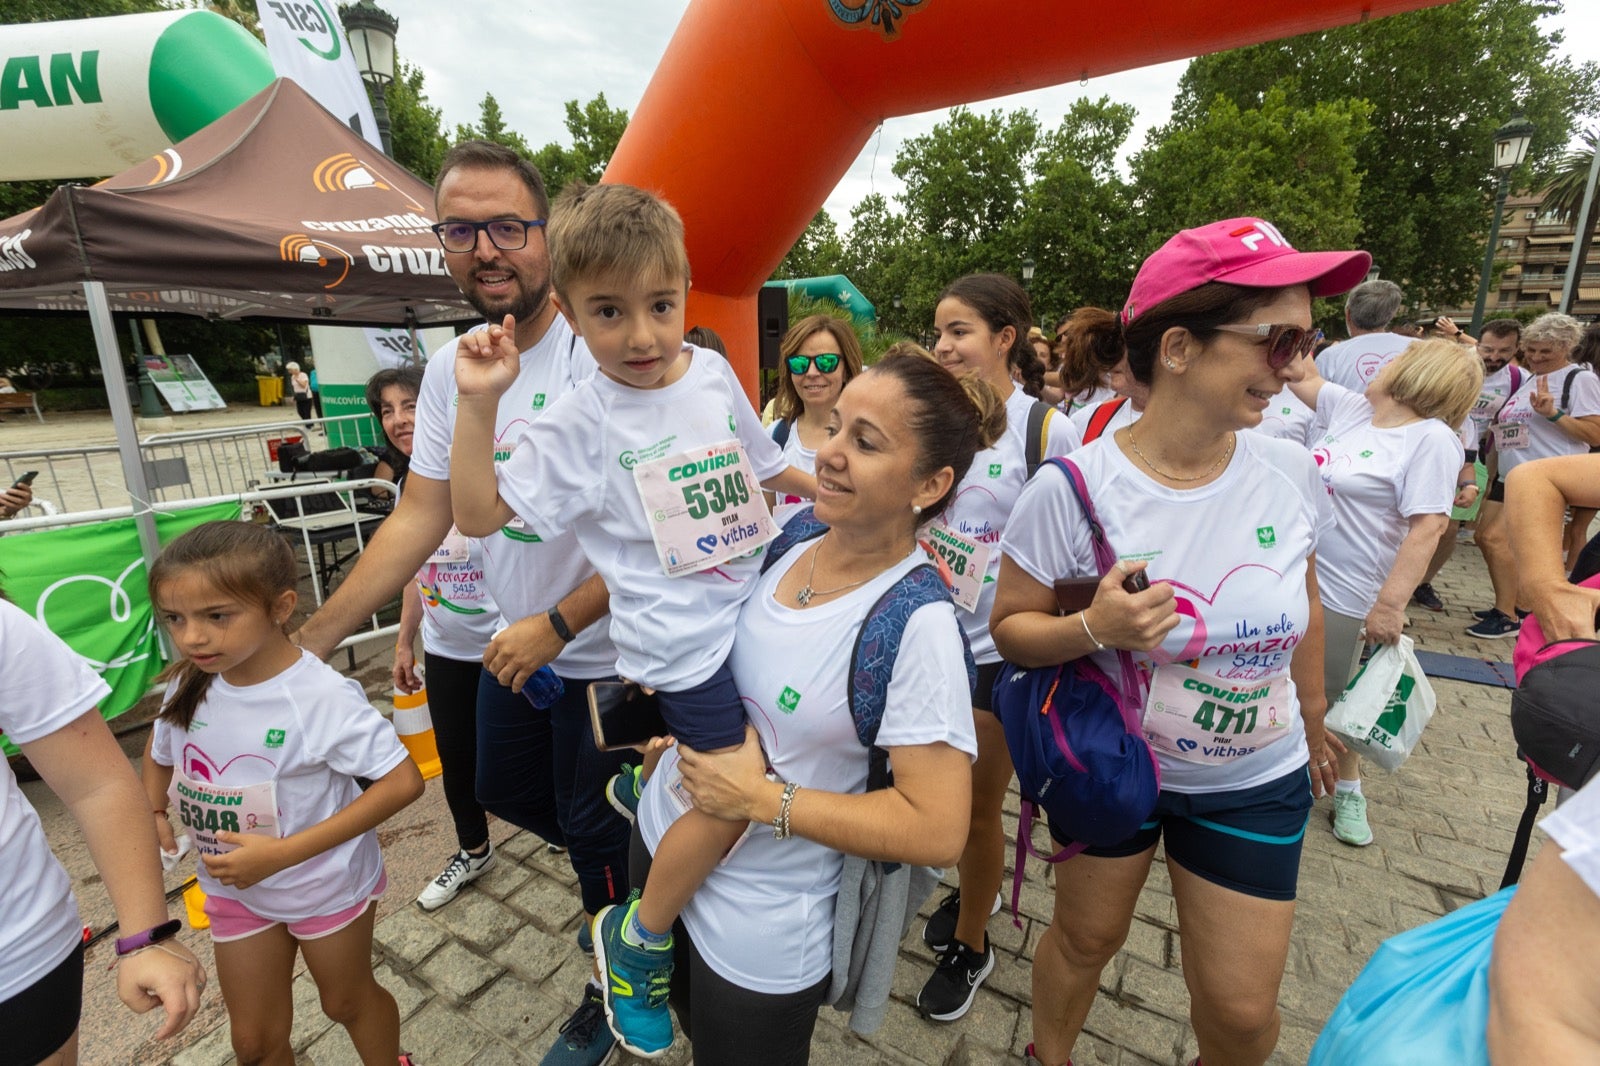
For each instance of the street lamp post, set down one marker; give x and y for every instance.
(1028, 267)
(370, 30)
(1510, 149)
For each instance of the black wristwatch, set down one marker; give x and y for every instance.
(559, 624)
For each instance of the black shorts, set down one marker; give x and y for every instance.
(1497, 490)
(1247, 840)
(983, 692)
(39, 1019)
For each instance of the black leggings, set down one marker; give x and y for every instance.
(453, 706)
(37, 1021)
(729, 1025)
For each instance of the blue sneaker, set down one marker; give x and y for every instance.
(623, 790)
(584, 1039)
(634, 983)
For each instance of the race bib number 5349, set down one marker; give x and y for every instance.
(704, 507)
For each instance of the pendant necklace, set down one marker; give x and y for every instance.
(803, 597)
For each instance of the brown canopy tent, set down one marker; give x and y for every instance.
(277, 210)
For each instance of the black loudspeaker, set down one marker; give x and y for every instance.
(772, 316)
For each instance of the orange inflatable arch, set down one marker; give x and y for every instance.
(757, 110)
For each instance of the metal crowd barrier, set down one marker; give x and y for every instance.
(192, 465)
(321, 516)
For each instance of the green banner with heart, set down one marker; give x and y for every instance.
(86, 584)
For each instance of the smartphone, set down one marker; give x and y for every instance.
(1075, 594)
(25, 479)
(622, 715)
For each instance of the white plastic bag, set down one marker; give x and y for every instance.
(1381, 714)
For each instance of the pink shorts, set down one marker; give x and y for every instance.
(232, 920)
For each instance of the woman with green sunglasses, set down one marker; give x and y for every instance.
(820, 354)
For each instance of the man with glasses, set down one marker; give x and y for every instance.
(537, 768)
(1498, 345)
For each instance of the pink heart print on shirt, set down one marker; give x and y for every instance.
(1190, 608)
(199, 766)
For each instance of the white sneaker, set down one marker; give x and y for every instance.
(462, 869)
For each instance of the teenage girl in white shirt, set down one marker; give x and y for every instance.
(258, 748)
(982, 325)
(1390, 460)
(1226, 524)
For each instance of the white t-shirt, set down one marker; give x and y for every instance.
(573, 471)
(1575, 825)
(1377, 480)
(1286, 418)
(1234, 550)
(1093, 398)
(1497, 389)
(764, 919)
(795, 454)
(1545, 438)
(1125, 416)
(458, 615)
(525, 575)
(312, 732)
(47, 687)
(1355, 362)
(984, 499)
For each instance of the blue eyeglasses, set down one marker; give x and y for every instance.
(506, 234)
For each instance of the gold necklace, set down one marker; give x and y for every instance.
(803, 597)
(1226, 452)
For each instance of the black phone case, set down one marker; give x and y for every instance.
(623, 714)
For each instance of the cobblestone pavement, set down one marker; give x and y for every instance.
(489, 978)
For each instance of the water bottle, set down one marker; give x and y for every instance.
(543, 688)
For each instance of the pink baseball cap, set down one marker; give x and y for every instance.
(1240, 251)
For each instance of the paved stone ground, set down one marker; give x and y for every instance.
(488, 979)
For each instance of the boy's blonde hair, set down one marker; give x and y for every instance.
(1435, 378)
(614, 231)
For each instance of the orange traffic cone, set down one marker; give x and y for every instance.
(415, 728)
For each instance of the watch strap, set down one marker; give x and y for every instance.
(559, 624)
(127, 945)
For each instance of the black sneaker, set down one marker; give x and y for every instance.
(957, 976)
(941, 926)
(1495, 627)
(1487, 611)
(584, 1039)
(1426, 597)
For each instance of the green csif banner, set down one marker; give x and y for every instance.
(87, 585)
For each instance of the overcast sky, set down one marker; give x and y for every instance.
(537, 54)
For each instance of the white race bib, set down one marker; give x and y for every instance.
(704, 507)
(1510, 436)
(1200, 718)
(207, 809)
(966, 560)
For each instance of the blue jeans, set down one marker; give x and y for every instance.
(540, 771)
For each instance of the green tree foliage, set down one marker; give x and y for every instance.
(415, 128)
(595, 128)
(817, 253)
(1294, 166)
(491, 126)
(1439, 81)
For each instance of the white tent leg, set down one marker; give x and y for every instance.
(105, 339)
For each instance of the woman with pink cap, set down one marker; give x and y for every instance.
(1226, 525)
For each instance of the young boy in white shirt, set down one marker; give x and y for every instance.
(657, 465)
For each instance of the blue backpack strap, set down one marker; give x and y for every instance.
(780, 431)
(872, 661)
(801, 527)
